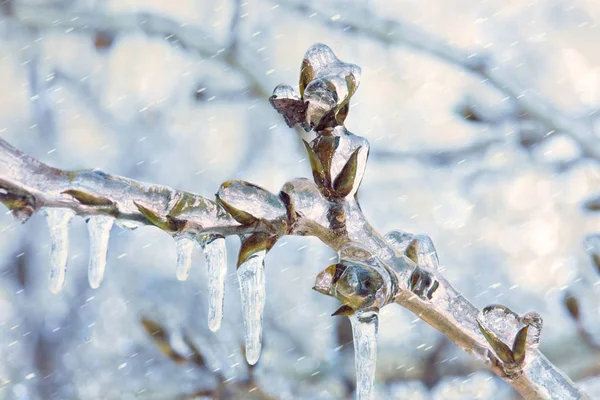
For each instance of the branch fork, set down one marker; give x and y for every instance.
(372, 271)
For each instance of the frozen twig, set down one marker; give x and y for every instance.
(373, 270)
(477, 61)
(28, 185)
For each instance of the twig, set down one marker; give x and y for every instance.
(476, 61)
(23, 176)
(29, 185)
(441, 157)
(372, 271)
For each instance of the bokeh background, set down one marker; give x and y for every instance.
(175, 93)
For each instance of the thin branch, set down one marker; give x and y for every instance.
(187, 36)
(232, 44)
(42, 186)
(372, 270)
(440, 157)
(28, 185)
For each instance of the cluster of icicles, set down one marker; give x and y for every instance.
(250, 274)
(251, 280)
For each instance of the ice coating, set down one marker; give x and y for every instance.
(323, 62)
(185, 250)
(534, 332)
(285, 92)
(364, 330)
(399, 240)
(505, 325)
(58, 221)
(426, 252)
(99, 227)
(252, 289)
(253, 200)
(215, 253)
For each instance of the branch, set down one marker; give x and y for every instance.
(440, 157)
(476, 61)
(372, 271)
(187, 36)
(28, 185)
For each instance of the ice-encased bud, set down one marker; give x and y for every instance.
(511, 336)
(287, 103)
(426, 254)
(359, 280)
(322, 98)
(326, 86)
(58, 221)
(247, 202)
(325, 279)
(319, 61)
(349, 150)
(419, 247)
(306, 200)
(327, 83)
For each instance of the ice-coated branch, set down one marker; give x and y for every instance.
(372, 272)
(28, 185)
(477, 61)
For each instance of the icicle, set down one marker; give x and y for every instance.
(99, 227)
(364, 330)
(185, 250)
(252, 288)
(58, 222)
(216, 261)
